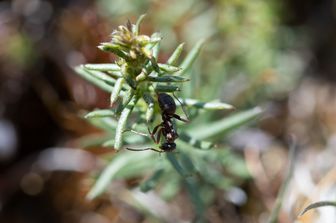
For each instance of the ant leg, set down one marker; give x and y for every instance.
(152, 134)
(137, 150)
(179, 118)
(158, 136)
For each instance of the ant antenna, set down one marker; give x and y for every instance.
(182, 105)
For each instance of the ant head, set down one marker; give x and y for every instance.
(168, 146)
(166, 103)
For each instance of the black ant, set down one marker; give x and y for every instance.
(166, 127)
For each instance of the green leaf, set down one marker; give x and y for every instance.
(103, 67)
(206, 105)
(150, 106)
(127, 97)
(138, 168)
(171, 187)
(172, 159)
(128, 77)
(156, 41)
(191, 57)
(190, 184)
(166, 88)
(213, 176)
(118, 163)
(109, 47)
(106, 123)
(167, 79)
(101, 76)
(193, 190)
(204, 145)
(116, 90)
(108, 143)
(187, 163)
(168, 68)
(138, 23)
(176, 54)
(225, 125)
(100, 113)
(151, 182)
(122, 122)
(86, 74)
(93, 140)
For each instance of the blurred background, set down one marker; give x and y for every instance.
(276, 54)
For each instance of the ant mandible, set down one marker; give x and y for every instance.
(166, 127)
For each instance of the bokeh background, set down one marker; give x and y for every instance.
(279, 55)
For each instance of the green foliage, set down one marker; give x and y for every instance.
(134, 81)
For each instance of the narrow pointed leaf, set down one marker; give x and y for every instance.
(138, 23)
(100, 113)
(106, 123)
(109, 47)
(129, 78)
(170, 189)
(168, 68)
(93, 140)
(118, 163)
(122, 122)
(151, 183)
(156, 41)
(127, 97)
(92, 79)
(176, 54)
(167, 78)
(108, 143)
(166, 88)
(199, 144)
(177, 166)
(191, 57)
(150, 107)
(102, 76)
(225, 125)
(103, 67)
(187, 163)
(116, 90)
(190, 184)
(205, 105)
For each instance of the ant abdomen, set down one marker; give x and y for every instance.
(166, 103)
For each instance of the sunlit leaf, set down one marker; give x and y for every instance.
(103, 67)
(138, 23)
(119, 162)
(122, 122)
(89, 77)
(100, 113)
(206, 105)
(200, 144)
(176, 54)
(191, 57)
(225, 125)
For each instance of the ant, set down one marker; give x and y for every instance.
(166, 127)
